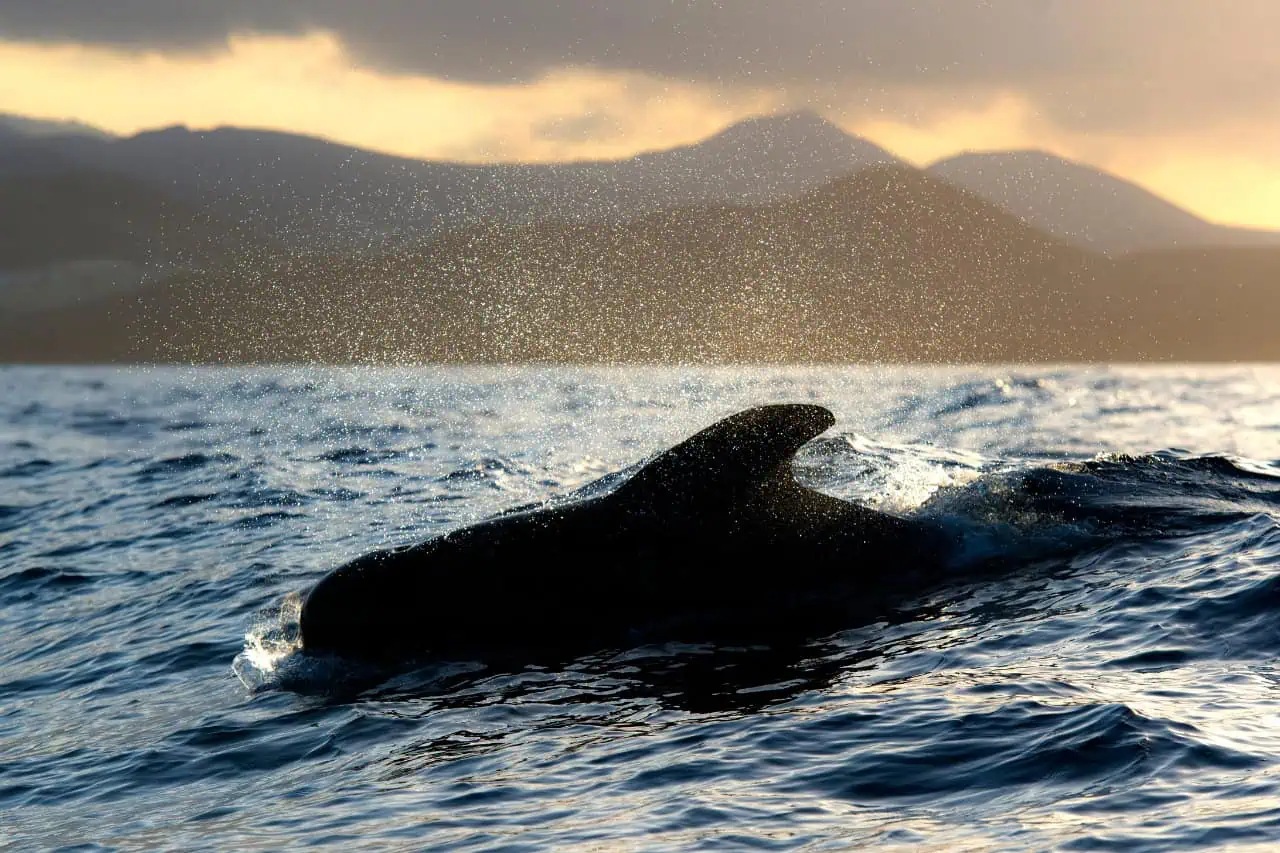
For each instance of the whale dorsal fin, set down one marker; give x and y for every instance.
(747, 451)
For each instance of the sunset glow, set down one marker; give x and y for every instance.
(311, 84)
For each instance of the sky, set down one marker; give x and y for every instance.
(1182, 96)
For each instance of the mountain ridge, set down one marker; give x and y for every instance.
(1089, 206)
(887, 264)
(808, 262)
(310, 190)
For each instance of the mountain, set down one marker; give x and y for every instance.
(1087, 206)
(29, 146)
(21, 157)
(306, 191)
(79, 215)
(759, 160)
(888, 264)
(68, 234)
(321, 195)
(736, 249)
(1202, 304)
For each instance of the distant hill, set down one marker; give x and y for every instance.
(1087, 206)
(77, 215)
(322, 196)
(326, 196)
(757, 160)
(22, 157)
(888, 265)
(736, 249)
(1216, 304)
(68, 234)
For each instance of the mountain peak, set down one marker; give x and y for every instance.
(794, 124)
(172, 131)
(803, 130)
(801, 142)
(1084, 204)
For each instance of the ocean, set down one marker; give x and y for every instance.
(1113, 685)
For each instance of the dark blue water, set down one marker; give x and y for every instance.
(1112, 686)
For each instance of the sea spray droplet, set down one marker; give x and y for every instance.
(269, 643)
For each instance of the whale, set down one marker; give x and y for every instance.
(712, 540)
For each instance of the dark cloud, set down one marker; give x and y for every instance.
(1085, 63)
(501, 40)
(147, 24)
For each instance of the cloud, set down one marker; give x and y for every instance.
(310, 85)
(1095, 65)
(164, 25)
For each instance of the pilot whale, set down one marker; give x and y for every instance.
(712, 539)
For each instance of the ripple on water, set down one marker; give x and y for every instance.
(187, 462)
(30, 468)
(37, 581)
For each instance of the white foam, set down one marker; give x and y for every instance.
(269, 644)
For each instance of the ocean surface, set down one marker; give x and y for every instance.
(1112, 686)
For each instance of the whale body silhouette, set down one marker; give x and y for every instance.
(710, 540)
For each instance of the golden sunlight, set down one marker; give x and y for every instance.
(309, 85)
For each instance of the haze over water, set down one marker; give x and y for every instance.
(1114, 688)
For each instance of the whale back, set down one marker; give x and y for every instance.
(749, 452)
(711, 535)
